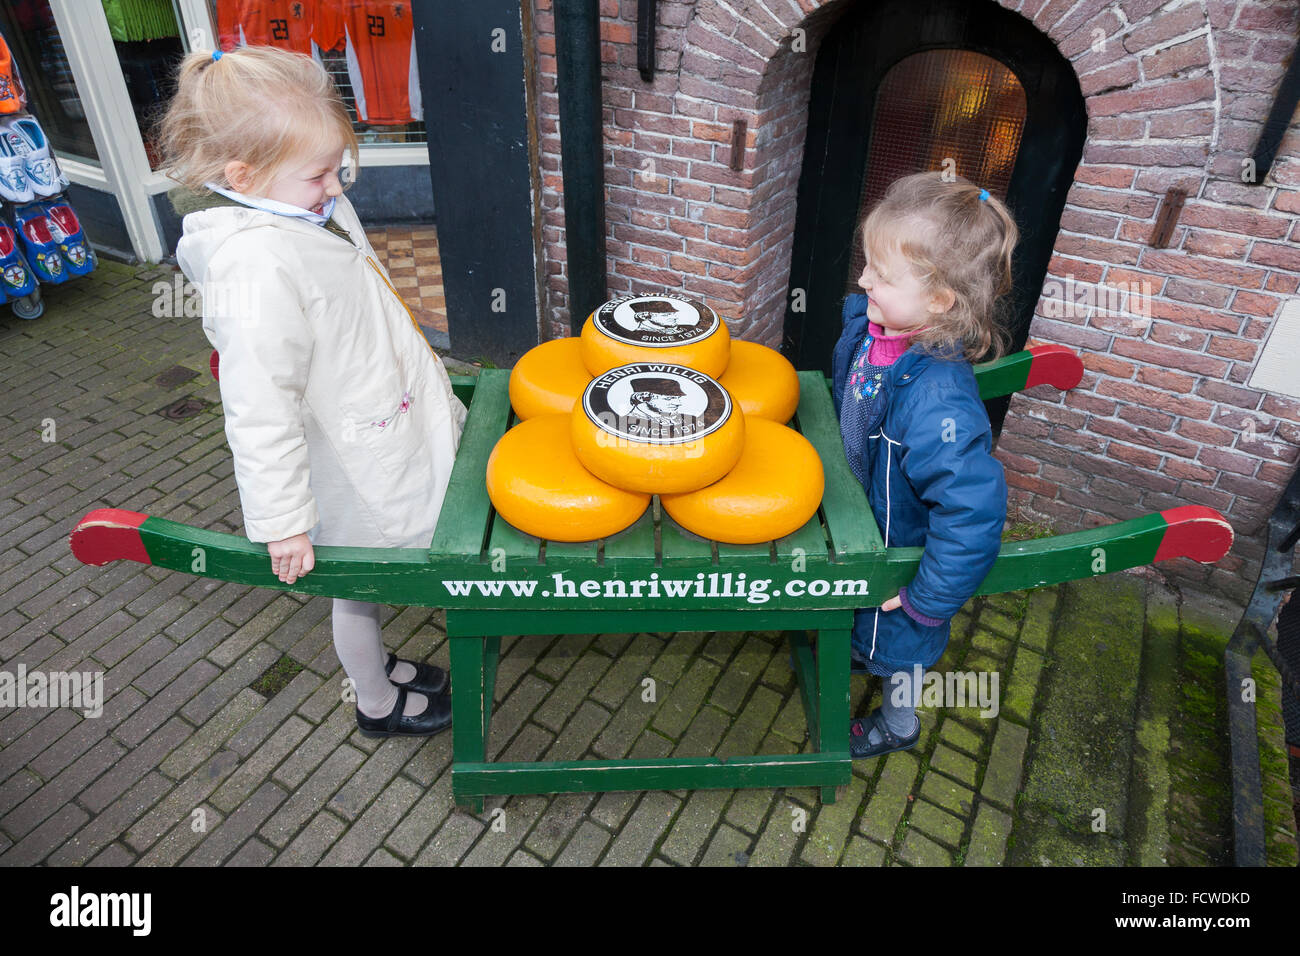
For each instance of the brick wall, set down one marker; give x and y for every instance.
(1176, 94)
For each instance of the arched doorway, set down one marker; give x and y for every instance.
(906, 85)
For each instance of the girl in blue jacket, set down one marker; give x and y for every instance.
(915, 431)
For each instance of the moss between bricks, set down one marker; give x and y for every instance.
(1279, 820)
(276, 677)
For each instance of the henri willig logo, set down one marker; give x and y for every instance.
(80, 691)
(656, 321)
(74, 908)
(660, 404)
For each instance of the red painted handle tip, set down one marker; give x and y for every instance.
(1195, 532)
(109, 534)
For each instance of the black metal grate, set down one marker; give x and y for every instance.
(942, 105)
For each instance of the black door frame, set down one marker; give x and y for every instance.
(859, 50)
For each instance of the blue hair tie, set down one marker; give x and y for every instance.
(984, 194)
(216, 55)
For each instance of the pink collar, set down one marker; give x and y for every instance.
(887, 349)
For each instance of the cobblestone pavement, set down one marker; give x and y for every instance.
(224, 739)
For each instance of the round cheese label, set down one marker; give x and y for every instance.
(656, 321)
(656, 404)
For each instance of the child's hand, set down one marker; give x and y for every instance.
(291, 558)
(893, 604)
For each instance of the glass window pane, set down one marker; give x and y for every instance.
(28, 29)
(367, 46)
(937, 106)
(148, 44)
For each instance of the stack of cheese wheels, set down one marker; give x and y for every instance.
(654, 398)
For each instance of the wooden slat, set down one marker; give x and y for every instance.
(582, 551)
(680, 547)
(516, 545)
(635, 542)
(463, 386)
(462, 525)
(810, 539)
(744, 553)
(851, 526)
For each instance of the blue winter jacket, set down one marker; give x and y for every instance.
(933, 483)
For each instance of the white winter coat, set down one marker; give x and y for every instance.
(340, 416)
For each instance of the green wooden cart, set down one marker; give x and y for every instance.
(495, 581)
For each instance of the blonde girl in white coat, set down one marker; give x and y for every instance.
(340, 417)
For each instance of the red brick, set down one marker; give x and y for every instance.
(736, 257)
(1153, 96)
(1218, 245)
(1117, 76)
(1145, 437)
(1182, 470)
(1205, 434)
(1198, 494)
(1077, 439)
(1061, 269)
(1279, 407)
(1275, 474)
(1120, 201)
(1285, 284)
(1090, 223)
(1287, 201)
(1282, 257)
(1110, 176)
(1108, 365)
(1097, 249)
(1087, 402)
(1166, 358)
(1271, 17)
(1240, 349)
(1192, 317)
(1140, 395)
(1228, 461)
(1248, 488)
(1178, 58)
(649, 237)
(1180, 124)
(1169, 381)
(1244, 222)
(1029, 483)
(1201, 293)
(1122, 129)
(699, 284)
(687, 264)
(1193, 267)
(1162, 27)
(1229, 395)
(1146, 417)
(1137, 456)
(1266, 448)
(1186, 154)
(692, 230)
(1254, 303)
(690, 149)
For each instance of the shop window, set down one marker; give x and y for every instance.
(367, 46)
(147, 41)
(46, 78)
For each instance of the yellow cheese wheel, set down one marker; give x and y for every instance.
(773, 490)
(657, 428)
(762, 381)
(667, 327)
(548, 379)
(538, 485)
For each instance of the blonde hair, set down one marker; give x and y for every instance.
(952, 240)
(258, 105)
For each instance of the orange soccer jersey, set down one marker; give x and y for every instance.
(380, 41)
(286, 24)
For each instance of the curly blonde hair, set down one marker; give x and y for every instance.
(258, 105)
(952, 240)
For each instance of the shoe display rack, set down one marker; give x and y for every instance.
(41, 239)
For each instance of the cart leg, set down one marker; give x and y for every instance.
(471, 696)
(833, 697)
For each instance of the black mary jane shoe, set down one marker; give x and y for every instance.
(860, 731)
(436, 717)
(429, 679)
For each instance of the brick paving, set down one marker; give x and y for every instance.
(189, 764)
